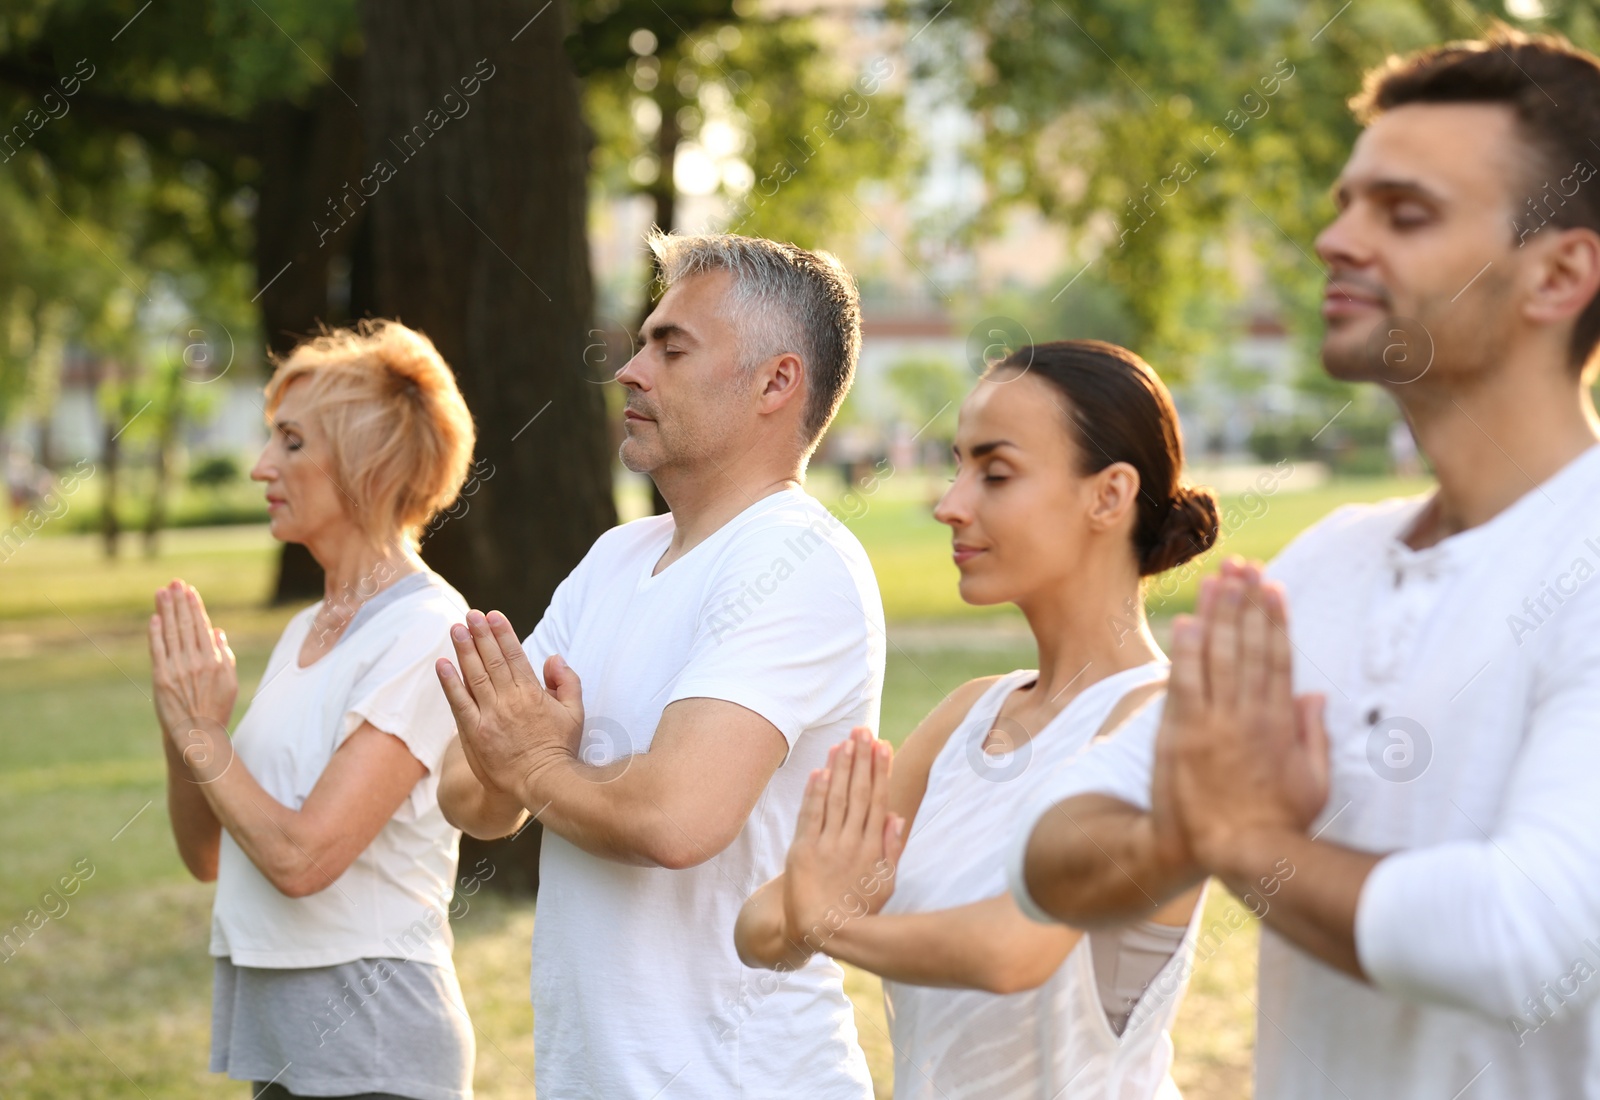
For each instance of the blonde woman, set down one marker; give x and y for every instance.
(319, 820)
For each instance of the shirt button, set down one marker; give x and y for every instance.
(1373, 716)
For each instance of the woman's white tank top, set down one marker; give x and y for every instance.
(1054, 1042)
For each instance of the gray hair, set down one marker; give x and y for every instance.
(783, 299)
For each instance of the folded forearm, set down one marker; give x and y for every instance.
(967, 947)
(282, 844)
(473, 808)
(195, 829)
(1093, 861)
(613, 811)
(760, 935)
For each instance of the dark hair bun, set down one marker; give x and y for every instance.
(1189, 530)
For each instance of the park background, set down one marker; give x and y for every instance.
(188, 185)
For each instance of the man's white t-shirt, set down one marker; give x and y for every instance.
(637, 989)
(393, 901)
(1463, 717)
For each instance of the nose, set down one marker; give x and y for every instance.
(263, 470)
(632, 374)
(1339, 245)
(952, 509)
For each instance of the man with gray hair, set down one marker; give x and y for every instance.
(696, 667)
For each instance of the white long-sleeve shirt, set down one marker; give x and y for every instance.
(1463, 713)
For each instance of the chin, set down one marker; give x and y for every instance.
(635, 457)
(980, 592)
(1344, 356)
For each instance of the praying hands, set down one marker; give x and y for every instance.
(511, 727)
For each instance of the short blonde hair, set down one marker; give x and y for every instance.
(398, 430)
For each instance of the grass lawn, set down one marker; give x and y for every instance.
(109, 996)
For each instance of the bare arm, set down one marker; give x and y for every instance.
(760, 935)
(194, 683)
(195, 828)
(471, 806)
(304, 851)
(1093, 861)
(675, 806)
(208, 789)
(987, 945)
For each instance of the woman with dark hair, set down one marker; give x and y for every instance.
(1066, 495)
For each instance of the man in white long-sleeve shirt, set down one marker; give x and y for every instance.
(1404, 778)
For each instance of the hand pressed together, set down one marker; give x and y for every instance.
(1238, 752)
(195, 679)
(511, 727)
(842, 861)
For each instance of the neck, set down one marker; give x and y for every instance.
(1493, 438)
(355, 568)
(711, 493)
(1088, 629)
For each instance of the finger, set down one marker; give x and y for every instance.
(204, 641)
(562, 681)
(1206, 602)
(462, 704)
(809, 824)
(1255, 630)
(856, 810)
(158, 646)
(1314, 735)
(1280, 655)
(197, 635)
(221, 638)
(170, 637)
(183, 616)
(894, 838)
(494, 663)
(1222, 645)
(878, 804)
(511, 646)
(1186, 686)
(839, 785)
(470, 665)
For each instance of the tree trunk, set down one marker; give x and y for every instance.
(311, 209)
(111, 454)
(479, 241)
(664, 194)
(171, 416)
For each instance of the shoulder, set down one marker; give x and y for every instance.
(1349, 530)
(625, 540)
(417, 620)
(926, 741)
(913, 761)
(796, 528)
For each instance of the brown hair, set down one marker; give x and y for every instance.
(398, 430)
(1118, 410)
(1551, 86)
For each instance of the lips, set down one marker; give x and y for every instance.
(1343, 297)
(960, 553)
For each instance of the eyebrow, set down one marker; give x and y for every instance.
(984, 448)
(286, 425)
(665, 331)
(1389, 187)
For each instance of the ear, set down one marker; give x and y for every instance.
(1115, 496)
(782, 381)
(1564, 275)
